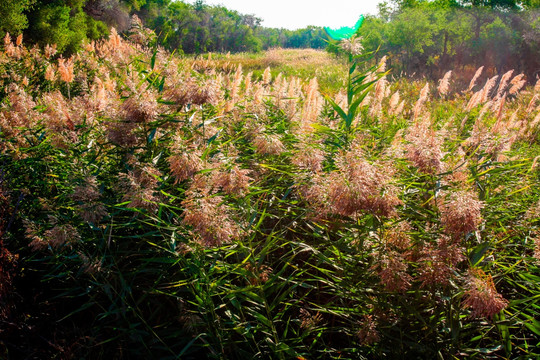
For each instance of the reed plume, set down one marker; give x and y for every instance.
(393, 272)
(65, 69)
(475, 78)
(210, 218)
(481, 295)
(309, 158)
(486, 90)
(532, 103)
(50, 51)
(268, 144)
(438, 262)
(394, 101)
(234, 181)
(352, 45)
(185, 165)
(461, 212)
(517, 83)
(421, 100)
(139, 187)
(61, 235)
(444, 84)
(380, 92)
(503, 84)
(311, 107)
(357, 187)
(368, 333)
(87, 196)
(425, 147)
(267, 76)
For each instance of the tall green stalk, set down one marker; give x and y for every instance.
(359, 83)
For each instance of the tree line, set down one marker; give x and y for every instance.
(180, 26)
(432, 37)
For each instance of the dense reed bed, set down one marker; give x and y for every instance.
(169, 208)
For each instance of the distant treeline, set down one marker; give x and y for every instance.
(180, 26)
(432, 37)
(198, 28)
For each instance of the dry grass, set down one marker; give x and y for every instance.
(302, 63)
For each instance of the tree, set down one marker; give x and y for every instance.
(12, 16)
(63, 23)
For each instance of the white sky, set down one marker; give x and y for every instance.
(296, 14)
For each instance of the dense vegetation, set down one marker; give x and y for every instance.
(184, 27)
(421, 37)
(161, 207)
(432, 37)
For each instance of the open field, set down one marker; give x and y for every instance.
(329, 70)
(177, 208)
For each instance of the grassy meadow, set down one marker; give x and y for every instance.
(283, 205)
(305, 64)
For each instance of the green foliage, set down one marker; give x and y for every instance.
(64, 24)
(188, 28)
(358, 86)
(12, 16)
(199, 28)
(429, 38)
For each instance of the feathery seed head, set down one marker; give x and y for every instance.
(65, 68)
(438, 262)
(368, 333)
(398, 235)
(309, 158)
(235, 181)
(382, 64)
(308, 320)
(358, 186)
(394, 101)
(421, 100)
(532, 103)
(444, 84)
(475, 77)
(537, 248)
(37, 243)
(268, 144)
(461, 212)
(503, 84)
(88, 191)
(7, 39)
(481, 295)
(486, 90)
(141, 109)
(50, 74)
(185, 165)
(50, 51)
(393, 272)
(267, 76)
(210, 218)
(352, 45)
(517, 85)
(425, 147)
(61, 235)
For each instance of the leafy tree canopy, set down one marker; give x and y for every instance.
(13, 18)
